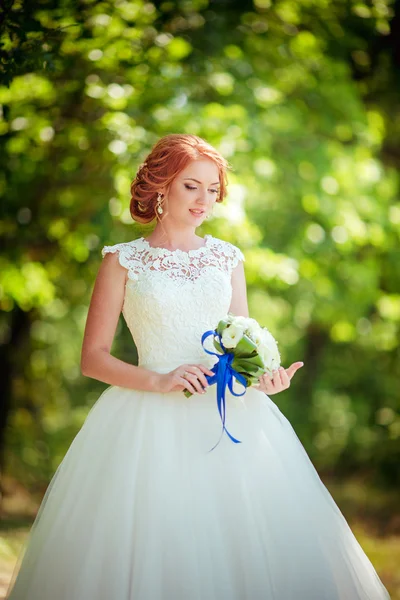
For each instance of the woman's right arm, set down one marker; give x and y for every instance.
(102, 319)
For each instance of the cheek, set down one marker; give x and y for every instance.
(180, 200)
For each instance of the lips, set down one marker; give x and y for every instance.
(197, 213)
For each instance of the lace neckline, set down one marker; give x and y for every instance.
(159, 250)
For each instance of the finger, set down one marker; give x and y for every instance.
(188, 386)
(201, 376)
(269, 379)
(267, 382)
(206, 369)
(200, 380)
(188, 381)
(193, 378)
(285, 381)
(276, 377)
(293, 368)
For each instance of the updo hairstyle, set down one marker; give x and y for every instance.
(168, 157)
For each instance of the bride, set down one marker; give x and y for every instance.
(139, 509)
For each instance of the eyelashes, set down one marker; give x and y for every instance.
(189, 187)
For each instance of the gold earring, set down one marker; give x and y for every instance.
(159, 207)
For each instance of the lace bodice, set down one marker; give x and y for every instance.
(172, 297)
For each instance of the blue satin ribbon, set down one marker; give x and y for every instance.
(223, 376)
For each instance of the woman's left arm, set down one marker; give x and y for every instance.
(239, 307)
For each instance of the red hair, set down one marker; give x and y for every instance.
(168, 157)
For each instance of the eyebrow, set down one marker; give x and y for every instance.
(197, 181)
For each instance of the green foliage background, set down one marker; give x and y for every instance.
(301, 98)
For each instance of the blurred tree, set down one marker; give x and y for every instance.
(27, 43)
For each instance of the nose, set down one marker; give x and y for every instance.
(202, 197)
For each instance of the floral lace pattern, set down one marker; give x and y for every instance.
(172, 297)
(138, 256)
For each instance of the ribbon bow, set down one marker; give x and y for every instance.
(223, 376)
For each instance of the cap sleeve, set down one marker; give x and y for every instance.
(120, 249)
(127, 257)
(236, 256)
(110, 249)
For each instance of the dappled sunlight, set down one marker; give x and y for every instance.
(299, 98)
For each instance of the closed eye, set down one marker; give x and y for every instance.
(189, 187)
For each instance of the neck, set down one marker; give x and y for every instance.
(173, 238)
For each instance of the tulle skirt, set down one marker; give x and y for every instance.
(141, 509)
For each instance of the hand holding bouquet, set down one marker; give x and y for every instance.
(247, 349)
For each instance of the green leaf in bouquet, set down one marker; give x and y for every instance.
(257, 360)
(218, 346)
(222, 325)
(258, 373)
(248, 365)
(252, 358)
(245, 346)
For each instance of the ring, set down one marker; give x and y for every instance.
(185, 373)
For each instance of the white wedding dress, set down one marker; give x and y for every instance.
(141, 509)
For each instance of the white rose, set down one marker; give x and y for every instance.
(257, 338)
(240, 321)
(268, 339)
(268, 350)
(254, 332)
(231, 336)
(250, 326)
(265, 354)
(275, 363)
(253, 327)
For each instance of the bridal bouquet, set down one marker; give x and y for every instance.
(247, 351)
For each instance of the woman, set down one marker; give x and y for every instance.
(140, 508)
